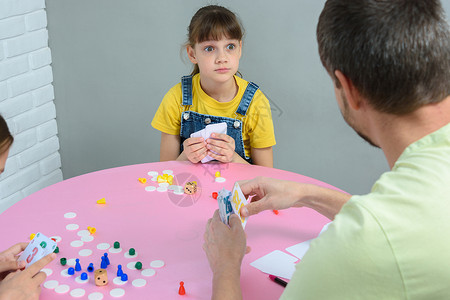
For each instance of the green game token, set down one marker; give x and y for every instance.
(56, 250)
(132, 251)
(138, 265)
(63, 261)
(116, 245)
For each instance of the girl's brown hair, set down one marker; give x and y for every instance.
(213, 22)
(6, 139)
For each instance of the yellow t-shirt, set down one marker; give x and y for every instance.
(257, 129)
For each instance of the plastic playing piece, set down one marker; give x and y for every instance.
(63, 261)
(142, 180)
(138, 265)
(119, 271)
(275, 212)
(181, 290)
(116, 245)
(56, 250)
(103, 264)
(32, 236)
(84, 276)
(217, 174)
(71, 271)
(101, 201)
(101, 277)
(77, 265)
(132, 251)
(105, 255)
(91, 267)
(214, 195)
(54, 239)
(124, 277)
(92, 230)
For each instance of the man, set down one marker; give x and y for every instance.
(390, 65)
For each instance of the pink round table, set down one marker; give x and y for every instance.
(160, 225)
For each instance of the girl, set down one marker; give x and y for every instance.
(214, 94)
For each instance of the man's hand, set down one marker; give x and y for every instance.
(8, 259)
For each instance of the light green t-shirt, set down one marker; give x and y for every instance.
(393, 243)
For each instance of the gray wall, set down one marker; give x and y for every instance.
(113, 61)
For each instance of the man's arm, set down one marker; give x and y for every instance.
(269, 193)
(225, 248)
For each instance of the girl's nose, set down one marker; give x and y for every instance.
(221, 57)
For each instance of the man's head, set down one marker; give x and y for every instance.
(395, 52)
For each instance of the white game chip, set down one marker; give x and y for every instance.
(150, 188)
(157, 264)
(220, 179)
(51, 284)
(154, 179)
(83, 232)
(72, 227)
(114, 250)
(161, 189)
(76, 244)
(103, 246)
(139, 282)
(85, 252)
(118, 281)
(70, 215)
(168, 172)
(131, 265)
(152, 173)
(116, 293)
(95, 296)
(77, 293)
(178, 192)
(65, 273)
(164, 184)
(47, 271)
(71, 262)
(148, 272)
(62, 289)
(87, 238)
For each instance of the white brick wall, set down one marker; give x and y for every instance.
(27, 101)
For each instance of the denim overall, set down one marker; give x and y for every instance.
(192, 121)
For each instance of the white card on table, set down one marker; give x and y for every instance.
(238, 202)
(276, 263)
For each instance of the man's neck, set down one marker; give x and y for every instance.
(395, 133)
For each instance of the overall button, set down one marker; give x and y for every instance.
(237, 124)
(186, 115)
(207, 121)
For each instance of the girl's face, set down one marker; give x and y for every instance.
(217, 60)
(3, 158)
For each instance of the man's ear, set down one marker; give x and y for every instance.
(351, 93)
(191, 54)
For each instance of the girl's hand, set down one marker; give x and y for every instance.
(8, 259)
(223, 145)
(194, 149)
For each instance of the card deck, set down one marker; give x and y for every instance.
(206, 133)
(238, 202)
(39, 247)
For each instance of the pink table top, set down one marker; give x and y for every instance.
(159, 225)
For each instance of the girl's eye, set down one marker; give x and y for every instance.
(209, 49)
(231, 47)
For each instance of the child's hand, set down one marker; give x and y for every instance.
(223, 145)
(195, 149)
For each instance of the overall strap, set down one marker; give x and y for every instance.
(186, 88)
(247, 98)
